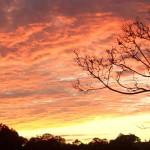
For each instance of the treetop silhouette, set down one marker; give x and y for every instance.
(10, 140)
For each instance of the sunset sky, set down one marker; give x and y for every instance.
(37, 69)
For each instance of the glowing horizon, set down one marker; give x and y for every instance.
(98, 127)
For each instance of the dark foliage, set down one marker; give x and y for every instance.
(10, 140)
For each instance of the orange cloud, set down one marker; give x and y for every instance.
(37, 67)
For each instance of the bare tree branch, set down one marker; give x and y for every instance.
(126, 69)
(143, 127)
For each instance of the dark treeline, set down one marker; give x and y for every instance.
(10, 140)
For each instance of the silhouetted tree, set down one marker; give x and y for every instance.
(9, 139)
(126, 67)
(98, 143)
(45, 142)
(77, 145)
(131, 138)
(77, 142)
(125, 142)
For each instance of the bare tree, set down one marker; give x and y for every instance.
(126, 67)
(142, 127)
